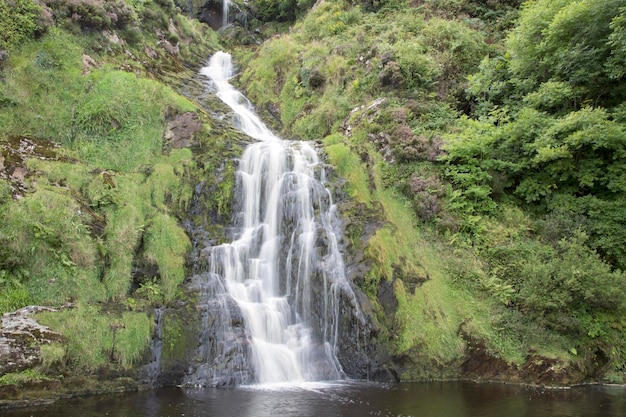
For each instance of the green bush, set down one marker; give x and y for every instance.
(18, 21)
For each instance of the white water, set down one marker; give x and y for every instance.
(225, 11)
(285, 281)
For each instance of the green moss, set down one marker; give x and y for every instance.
(179, 333)
(166, 243)
(349, 166)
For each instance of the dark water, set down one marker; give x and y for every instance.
(352, 399)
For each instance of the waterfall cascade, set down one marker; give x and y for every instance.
(225, 12)
(278, 285)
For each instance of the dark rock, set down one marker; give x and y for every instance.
(223, 354)
(387, 298)
(316, 79)
(391, 75)
(274, 111)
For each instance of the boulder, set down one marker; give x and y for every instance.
(20, 338)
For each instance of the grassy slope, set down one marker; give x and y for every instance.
(106, 200)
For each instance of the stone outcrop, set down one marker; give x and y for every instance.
(182, 131)
(20, 338)
(14, 153)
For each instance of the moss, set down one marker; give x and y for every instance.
(166, 243)
(179, 333)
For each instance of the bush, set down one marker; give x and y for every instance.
(18, 21)
(556, 283)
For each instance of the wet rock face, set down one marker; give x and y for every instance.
(222, 356)
(211, 13)
(360, 353)
(20, 338)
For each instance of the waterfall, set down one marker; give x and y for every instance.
(283, 272)
(225, 11)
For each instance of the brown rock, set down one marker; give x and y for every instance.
(181, 131)
(88, 64)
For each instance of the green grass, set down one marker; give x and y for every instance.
(51, 253)
(112, 199)
(166, 244)
(43, 81)
(24, 377)
(97, 340)
(350, 167)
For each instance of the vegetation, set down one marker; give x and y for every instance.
(90, 198)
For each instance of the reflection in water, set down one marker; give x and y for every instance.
(349, 399)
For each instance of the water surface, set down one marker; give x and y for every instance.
(349, 399)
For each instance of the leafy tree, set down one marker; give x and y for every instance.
(578, 42)
(552, 106)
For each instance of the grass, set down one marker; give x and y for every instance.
(24, 377)
(75, 236)
(112, 198)
(43, 80)
(55, 259)
(97, 340)
(166, 244)
(349, 166)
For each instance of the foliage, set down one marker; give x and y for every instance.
(525, 187)
(166, 243)
(18, 21)
(280, 10)
(24, 377)
(49, 252)
(350, 167)
(108, 197)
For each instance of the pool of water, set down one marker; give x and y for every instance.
(348, 399)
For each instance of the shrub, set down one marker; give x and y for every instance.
(18, 21)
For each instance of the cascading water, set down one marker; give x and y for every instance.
(225, 12)
(278, 285)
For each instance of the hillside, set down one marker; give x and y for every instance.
(488, 145)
